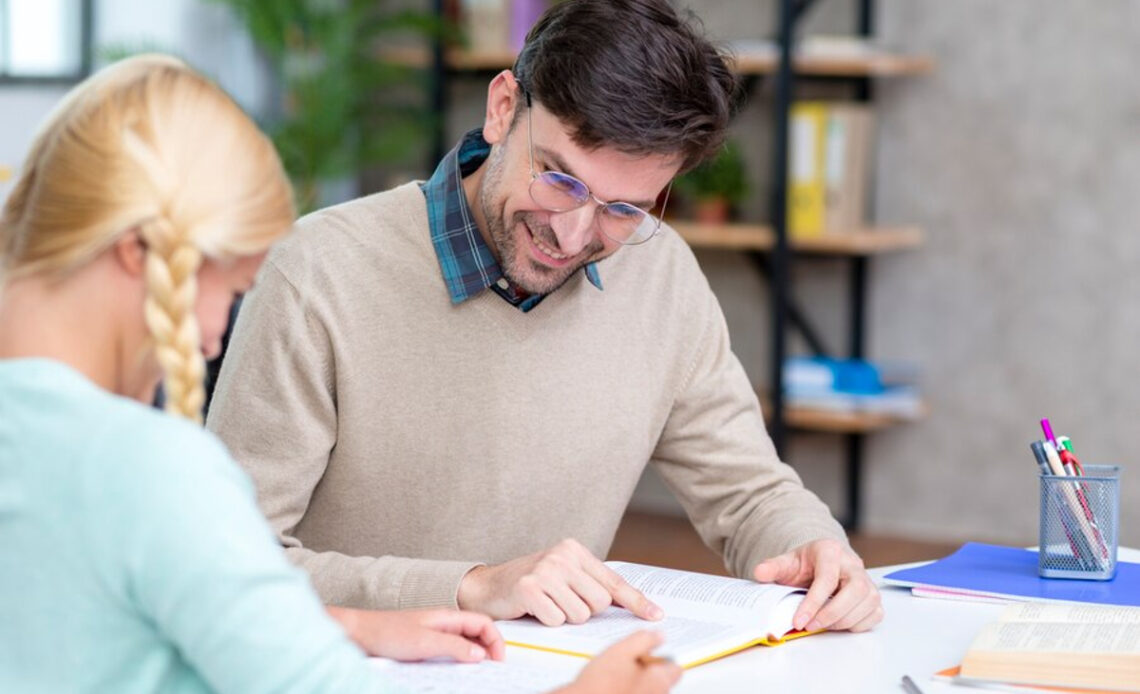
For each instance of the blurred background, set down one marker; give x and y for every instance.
(962, 189)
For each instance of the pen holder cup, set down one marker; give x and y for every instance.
(1080, 517)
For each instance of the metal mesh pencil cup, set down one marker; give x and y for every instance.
(1080, 517)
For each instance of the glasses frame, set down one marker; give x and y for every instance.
(602, 204)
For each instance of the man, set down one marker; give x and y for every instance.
(434, 387)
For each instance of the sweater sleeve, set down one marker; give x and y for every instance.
(715, 455)
(275, 409)
(198, 562)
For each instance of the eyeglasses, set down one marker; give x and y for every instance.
(555, 191)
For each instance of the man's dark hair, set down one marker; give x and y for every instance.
(630, 74)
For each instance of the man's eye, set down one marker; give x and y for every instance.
(565, 185)
(624, 212)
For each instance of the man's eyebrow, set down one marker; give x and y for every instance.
(560, 164)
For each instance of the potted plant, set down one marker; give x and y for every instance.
(716, 187)
(343, 106)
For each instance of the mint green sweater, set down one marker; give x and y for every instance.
(133, 557)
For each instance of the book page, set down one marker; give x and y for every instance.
(1059, 637)
(610, 626)
(486, 677)
(1083, 614)
(715, 598)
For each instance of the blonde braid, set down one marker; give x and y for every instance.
(172, 264)
(138, 147)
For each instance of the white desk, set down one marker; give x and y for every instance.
(918, 637)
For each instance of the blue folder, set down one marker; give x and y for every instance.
(1010, 572)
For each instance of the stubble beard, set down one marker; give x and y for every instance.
(529, 275)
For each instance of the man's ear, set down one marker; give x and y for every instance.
(130, 253)
(503, 96)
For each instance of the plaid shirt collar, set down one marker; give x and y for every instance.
(466, 261)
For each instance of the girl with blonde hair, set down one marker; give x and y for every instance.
(134, 557)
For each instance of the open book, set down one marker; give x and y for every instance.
(1059, 645)
(706, 617)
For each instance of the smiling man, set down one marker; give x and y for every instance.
(447, 392)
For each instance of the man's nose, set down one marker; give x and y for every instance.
(574, 229)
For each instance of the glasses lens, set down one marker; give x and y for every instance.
(558, 192)
(626, 223)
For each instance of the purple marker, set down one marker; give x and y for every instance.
(1048, 430)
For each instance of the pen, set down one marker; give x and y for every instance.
(1072, 465)
(647, 660)
(1080, 508)
(1054, 461)
(1038, 449)
(1065, 442)
(909, 686)
(1077, 543)
(1092, 531)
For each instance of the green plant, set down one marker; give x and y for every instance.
(344, 107)
(723, 176)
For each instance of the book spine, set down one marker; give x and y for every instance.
(849, 130)
(524, 15)
(807, 184)
(486, 24)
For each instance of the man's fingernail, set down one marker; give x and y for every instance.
(656, 612)
(477, 652)
(813, 625)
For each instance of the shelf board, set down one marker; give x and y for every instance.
(833, 422)
(455, 59)
(480, 60)
(759, 237)
(870, 64)
(808, 419)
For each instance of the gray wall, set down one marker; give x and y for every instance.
(1020, 157)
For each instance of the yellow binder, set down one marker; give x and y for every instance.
(807, 183)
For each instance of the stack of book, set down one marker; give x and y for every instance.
(852, 385)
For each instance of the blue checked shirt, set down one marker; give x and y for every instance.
(467, 263)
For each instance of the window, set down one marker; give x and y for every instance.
(44, 40)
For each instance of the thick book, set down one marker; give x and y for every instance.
(706, 617)
(992, 571)
(1058, 645)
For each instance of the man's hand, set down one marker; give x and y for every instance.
(565, 583)
(421, 634)
(627, 667)
(841, 595)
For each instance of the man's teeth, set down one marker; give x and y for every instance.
(548, 250)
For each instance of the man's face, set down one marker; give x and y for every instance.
(537, 249)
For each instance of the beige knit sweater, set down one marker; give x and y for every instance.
(397, 440)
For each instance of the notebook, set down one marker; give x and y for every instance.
(992, 571)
